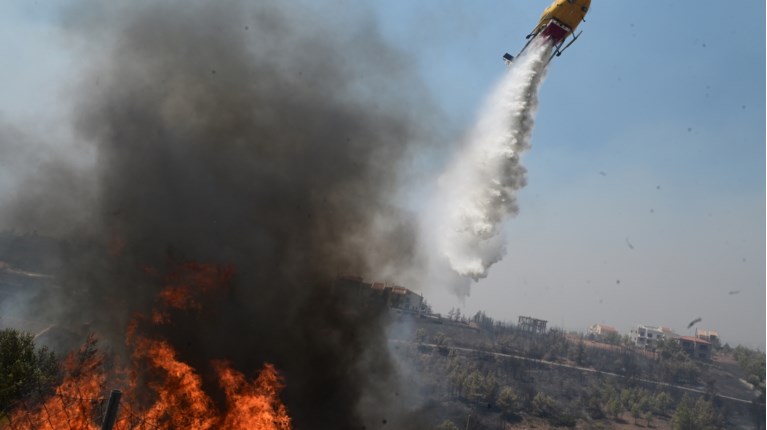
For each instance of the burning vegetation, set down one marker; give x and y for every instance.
(264, 140)
(161, 392)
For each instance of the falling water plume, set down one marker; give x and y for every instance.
(478, 191)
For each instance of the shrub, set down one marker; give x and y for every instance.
(447, 425)
(543, 405)
(23, 367)
(509, 401)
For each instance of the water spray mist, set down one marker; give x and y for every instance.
(478, 191)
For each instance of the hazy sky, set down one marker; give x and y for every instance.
(650, 133)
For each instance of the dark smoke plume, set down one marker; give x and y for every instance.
(254, 135)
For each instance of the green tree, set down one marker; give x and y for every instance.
(676, 365)
(615, 408)
(626, 399)
(594, 408)
(683, 418)
(543, 405)
(648, 418)
(480, 387)
(753, 362)
(442, 342)
(612, 338)
(509, 401)
(483, 320)
(439, 338)
(447, 425)
(420, 335)
(505, 343)
(426, 308)
(705, 415)
(668, 348)
(23, 367)
(644, 400)
(662, 402)
(579, 353)
(699, 415)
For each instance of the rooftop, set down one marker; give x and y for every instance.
(378, 286)
(694, 340)
(607, 328)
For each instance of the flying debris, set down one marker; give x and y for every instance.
(695, 321)
(557, 23)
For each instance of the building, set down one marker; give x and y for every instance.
(378, 294)
(647, 336)
(354, 289)
(670, 333)
(532, 325)
(404, 299)
(711, 336)
(378, 287)
(601, 330)
(695, 347)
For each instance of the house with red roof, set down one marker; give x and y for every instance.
(695, 347)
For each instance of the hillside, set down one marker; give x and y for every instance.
(497, 377)
(481, 374)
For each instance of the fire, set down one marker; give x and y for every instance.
(83, 379)
(187, 285)
(172, 395)
(253, 405)
(181, 402)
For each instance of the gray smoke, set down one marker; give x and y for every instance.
(261, 136)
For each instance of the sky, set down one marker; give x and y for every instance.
(645, 201)
(650, 135)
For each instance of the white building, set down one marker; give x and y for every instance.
(647, 336)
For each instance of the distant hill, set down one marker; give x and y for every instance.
(496, 376)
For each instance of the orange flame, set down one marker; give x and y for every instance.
(177, 397)
(253, 405)
(63, 411)
(181, 402)
(185, 286)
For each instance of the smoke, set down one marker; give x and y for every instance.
(267, 137)
(478, 190)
